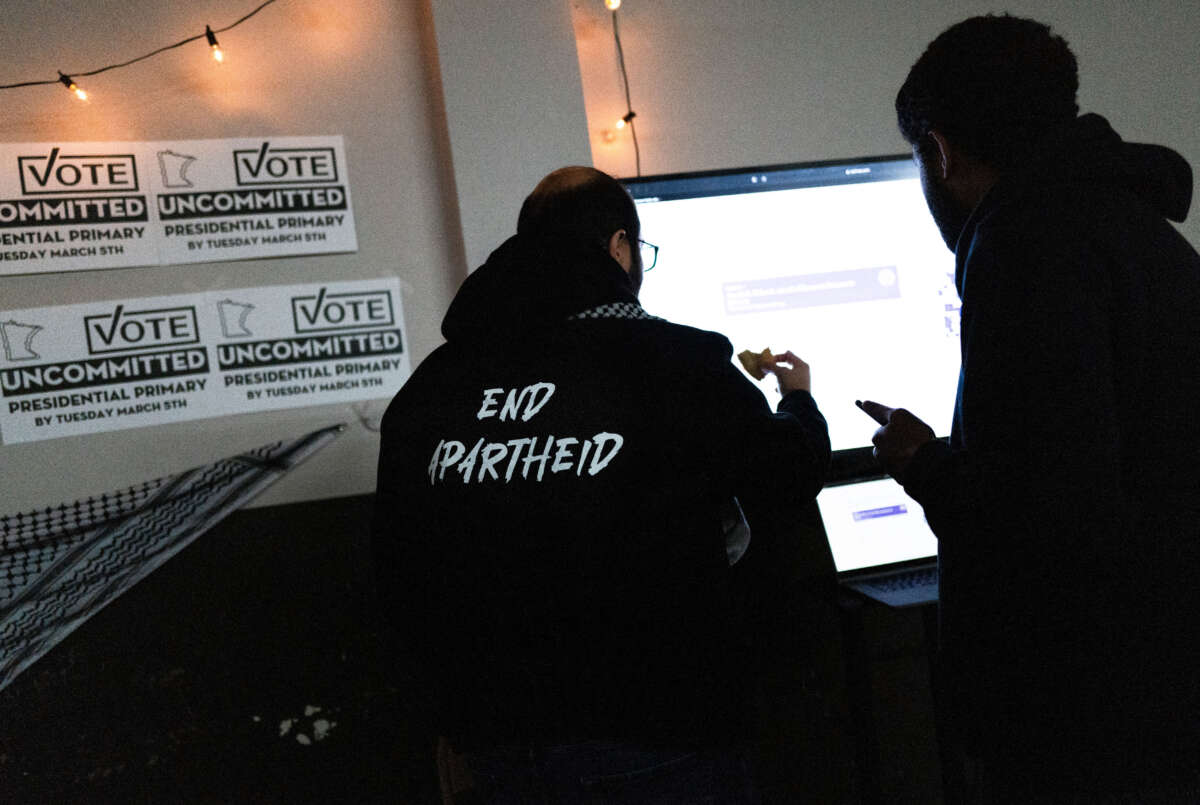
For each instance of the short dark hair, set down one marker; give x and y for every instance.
(992, 85)
(581, 204)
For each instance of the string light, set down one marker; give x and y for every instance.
(612, 5)
(217, 53)
(70, 84)
(627, 118)
(209, 35)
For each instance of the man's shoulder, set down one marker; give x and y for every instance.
(1023, 233)
(681, 343)
(1027, 211)
(1057, 215)
(672, 332)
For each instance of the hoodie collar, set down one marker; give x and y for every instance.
(1087, 150)
(529, 284)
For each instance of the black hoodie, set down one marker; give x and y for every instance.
(1067, 505)
(556, 591)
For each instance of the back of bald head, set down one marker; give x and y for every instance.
(580, 204)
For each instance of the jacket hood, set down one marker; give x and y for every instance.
(529, 283)
(1088, 150)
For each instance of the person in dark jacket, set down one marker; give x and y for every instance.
(555, 486)
(1067, 503)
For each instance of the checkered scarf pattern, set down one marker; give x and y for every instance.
(615, 310)
(60, 565)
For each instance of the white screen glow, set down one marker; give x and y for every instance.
(874, 523)
(853, 278)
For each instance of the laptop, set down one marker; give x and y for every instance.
(882, 546)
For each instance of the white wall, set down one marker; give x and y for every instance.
(363, 69)
(723, 85)
(514, 107)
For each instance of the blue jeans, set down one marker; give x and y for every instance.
(606, 773)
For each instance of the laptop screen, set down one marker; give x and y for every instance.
(873, 523)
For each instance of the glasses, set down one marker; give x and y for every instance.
(649, 254)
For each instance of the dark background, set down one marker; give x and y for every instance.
(178, 690)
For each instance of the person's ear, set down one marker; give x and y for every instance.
(620, 249)
(943, 154)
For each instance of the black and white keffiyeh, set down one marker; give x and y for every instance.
(61, 565)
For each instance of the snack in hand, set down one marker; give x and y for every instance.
(753, 362)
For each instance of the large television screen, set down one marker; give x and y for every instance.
(839, 262)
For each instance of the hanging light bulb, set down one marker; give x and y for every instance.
(626, 119)
(70, 84)
(612, 5)
(218, 54)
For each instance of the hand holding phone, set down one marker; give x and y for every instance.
(898, 438)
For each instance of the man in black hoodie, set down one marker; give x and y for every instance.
(1067, 504)
(549, 529)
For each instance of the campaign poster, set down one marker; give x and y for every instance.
(74, 207)
(81, 206)
(241, 199)
(103, 366)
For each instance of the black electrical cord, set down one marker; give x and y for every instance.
(140, 58)
(629, 113)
